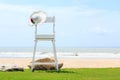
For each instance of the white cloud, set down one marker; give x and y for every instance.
(71, 10)
(100, 30)
(68, 20)
(67, 14)
(19, 8)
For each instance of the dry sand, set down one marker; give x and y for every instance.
(68, 63)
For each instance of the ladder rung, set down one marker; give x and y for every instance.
(45, 36)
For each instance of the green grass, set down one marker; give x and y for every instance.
(65, 74)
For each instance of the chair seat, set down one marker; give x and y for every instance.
(45, 37)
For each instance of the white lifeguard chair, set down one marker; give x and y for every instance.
(40, 17)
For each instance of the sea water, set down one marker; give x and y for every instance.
(61, 52)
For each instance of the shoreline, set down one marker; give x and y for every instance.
(68, 62)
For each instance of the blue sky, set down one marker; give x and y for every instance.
(79, 23)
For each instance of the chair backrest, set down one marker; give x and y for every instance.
(51, 20)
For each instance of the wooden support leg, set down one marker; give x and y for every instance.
(33, 59)
(55, 55)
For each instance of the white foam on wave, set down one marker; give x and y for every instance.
(59, 54)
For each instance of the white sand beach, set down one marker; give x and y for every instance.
(68, 62)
